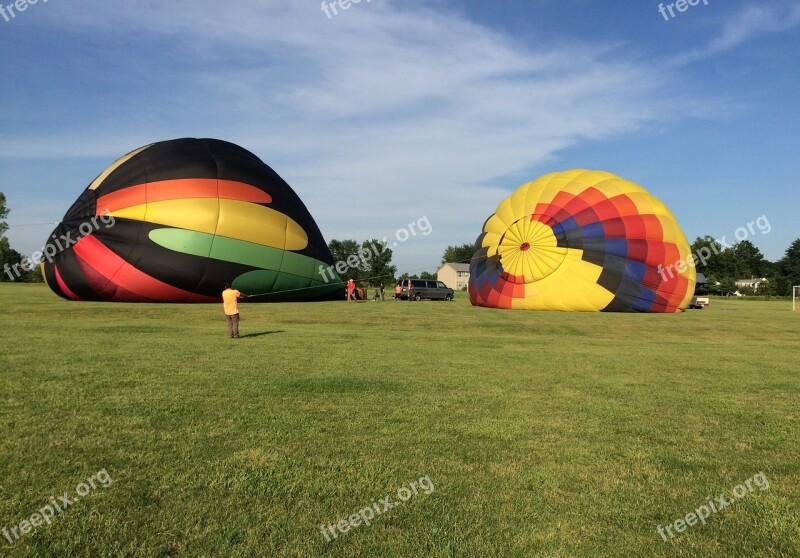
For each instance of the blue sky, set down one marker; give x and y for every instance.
(393, 111)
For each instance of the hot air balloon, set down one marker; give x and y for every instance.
(582, 240)
(173, 221)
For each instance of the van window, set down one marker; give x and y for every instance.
(441, 285)
(431, 284)
(417, 284)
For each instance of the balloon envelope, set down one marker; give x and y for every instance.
(582, 241)
(173, 221)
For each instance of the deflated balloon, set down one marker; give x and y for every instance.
(173, 221)
(582, 241)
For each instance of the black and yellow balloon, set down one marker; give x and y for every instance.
(179, 219)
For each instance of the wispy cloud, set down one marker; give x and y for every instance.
(741, 26)
(385, 113)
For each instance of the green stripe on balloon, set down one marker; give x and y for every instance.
(256, 282)
(280, 286)
(242, 252)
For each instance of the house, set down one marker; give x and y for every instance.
(701, 280)
(753, 282)
(454, 275)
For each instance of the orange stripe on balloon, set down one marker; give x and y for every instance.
(135, 195)
(232, 190)
(181, 188)
(105, 262)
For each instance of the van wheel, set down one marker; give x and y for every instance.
(448, 298)
(417, 297)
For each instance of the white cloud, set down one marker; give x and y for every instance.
(743, 25)
(378, 116)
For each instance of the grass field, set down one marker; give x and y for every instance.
(539, 433)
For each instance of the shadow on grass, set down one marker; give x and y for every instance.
(259, 334)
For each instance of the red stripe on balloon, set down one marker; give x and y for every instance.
(105, 289)
(63, 286)
(113, 269)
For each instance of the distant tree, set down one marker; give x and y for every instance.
(768, 287)
(782, 285)
(710, 287)
(11, 263)
(727, 286)
(379, 262)
(370, 261)
(748, 260)
(9, 258)
(742, 260)
(3, 215)
(770, 269)
(718, 261)
(458, 254)
(428, 276)
(789, 269)
(342, 250)
(36, 275)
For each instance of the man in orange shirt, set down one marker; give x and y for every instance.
(351, 290)
(230, 303)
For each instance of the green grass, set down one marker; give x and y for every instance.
(544, 434)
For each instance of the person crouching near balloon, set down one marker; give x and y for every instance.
(230, 304)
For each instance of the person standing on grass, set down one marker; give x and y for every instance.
(230, 304)
(383, 292)
(351, 290)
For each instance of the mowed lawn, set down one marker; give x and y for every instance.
(541, 433)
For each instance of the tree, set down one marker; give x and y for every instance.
(428, 276)
(748, 260)
(727, 286)
(369, 261)
(3, 215)
(345, 258)
(379, 258)
(9, 258)
(789, 268)
(36, 275)
(11, 263)
(741, 261)
(715, 261)
(458, 254)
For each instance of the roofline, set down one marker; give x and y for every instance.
(451, 263)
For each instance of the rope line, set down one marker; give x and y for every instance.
(334, 283)
(11, 226)
(51, 223)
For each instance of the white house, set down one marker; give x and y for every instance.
(454, 275)
(753, 282)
